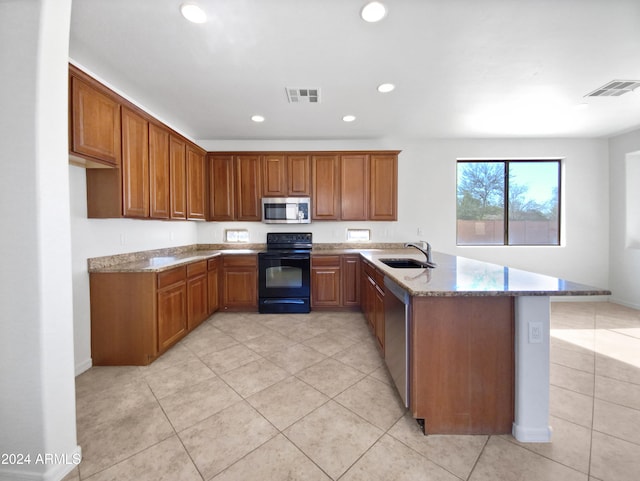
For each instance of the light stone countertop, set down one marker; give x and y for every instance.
(461, 276)
(161, 263)
(453, 276)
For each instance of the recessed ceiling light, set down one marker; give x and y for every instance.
(386, 88)
(373, 12)
(349, 118)
(193, 13)
(257, 118)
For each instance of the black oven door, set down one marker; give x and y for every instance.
(284, 280)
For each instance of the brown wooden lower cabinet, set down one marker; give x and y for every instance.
(213, 285)
(240, 282)
(350, 278)
(172, 308)
(136, 316)
(335, 281)
(462, 364)
(372, 300)
(197, 294)
(325, 281)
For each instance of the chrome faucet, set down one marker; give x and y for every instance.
(425, 248)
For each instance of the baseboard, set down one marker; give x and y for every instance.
(54, 473)
(625, 303)
(532, 435)
(83, 366)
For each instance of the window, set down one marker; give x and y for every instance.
(236, 235)
(358, 235)
(532, 190)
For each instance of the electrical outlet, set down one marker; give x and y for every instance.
(419, 232)
(535, 332)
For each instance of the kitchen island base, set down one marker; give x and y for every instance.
(462, 364)
(480, 365)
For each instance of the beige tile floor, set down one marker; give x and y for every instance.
(307, 397)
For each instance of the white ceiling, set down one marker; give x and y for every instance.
(463, 68)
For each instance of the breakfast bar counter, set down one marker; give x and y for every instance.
(477, 337)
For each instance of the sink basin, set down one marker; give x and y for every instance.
(405, 263)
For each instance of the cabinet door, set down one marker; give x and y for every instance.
(196, 184)
(354, 187)
(239, 288)
(221, 186)
(350, 266)
(172, 315)
(370, 296)
(248, 187)
(384, 187)
(325, 287)
(197, 296)
(135, 164)
(274, 176)
(159, 172)
(178, 178)
(378, 313)
(325, 281)
(298, 175)
(325, 174)
(95, 123)
(213, 285)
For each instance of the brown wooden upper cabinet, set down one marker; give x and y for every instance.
(221, 187)
(135, 164)
(383, 187)
(159, 172)
(235, 184)
(196, 183)
(274, 175)
(248, 187)
(325, 174)
(94, 131)
(355, 186)
(286, 175)
(178, 177)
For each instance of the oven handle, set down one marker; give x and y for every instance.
(284, 256)
(283, 301)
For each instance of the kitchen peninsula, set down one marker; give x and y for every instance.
(477, 333)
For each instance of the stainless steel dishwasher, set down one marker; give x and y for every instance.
(396, 336)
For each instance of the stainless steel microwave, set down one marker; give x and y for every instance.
(286, 210)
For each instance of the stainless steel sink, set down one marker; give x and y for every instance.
(406, 263)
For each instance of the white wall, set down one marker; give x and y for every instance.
(37, 393)
(101, 237)
(427, 201)
(624, 259)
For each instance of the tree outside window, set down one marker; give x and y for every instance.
(531, 210)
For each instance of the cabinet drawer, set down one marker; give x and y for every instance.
(213, 263)
(196, 268)
(240, 261)
(172, 276)
(368, 268)
(325, 261)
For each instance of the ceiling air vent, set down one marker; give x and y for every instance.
(303, 95)
(615, 88)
